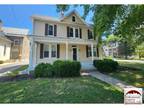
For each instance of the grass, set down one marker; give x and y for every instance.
(56, 90)
(16, 72)
(132, 77)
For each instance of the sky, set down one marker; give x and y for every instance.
(18, 16)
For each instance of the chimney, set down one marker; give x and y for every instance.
(1, 25)
(62, 14)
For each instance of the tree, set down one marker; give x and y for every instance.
(62, 8)
(140, 50)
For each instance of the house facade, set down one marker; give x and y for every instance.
(67, 38)
(14, 44)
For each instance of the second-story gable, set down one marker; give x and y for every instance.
(71, 26)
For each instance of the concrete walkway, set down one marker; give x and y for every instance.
(108, 79)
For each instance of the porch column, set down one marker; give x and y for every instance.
(66, 50)
(35, 54)
(31, 55)
(92, 52)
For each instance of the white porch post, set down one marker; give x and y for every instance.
(92, 52)
(31, 55)
(35, 55)
(66, 50)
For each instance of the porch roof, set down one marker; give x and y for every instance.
(63, 40)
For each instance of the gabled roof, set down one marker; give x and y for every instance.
(14, 31)
(47, 18)
(73, 12)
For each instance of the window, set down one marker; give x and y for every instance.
(50, 30)
(73, 18)
(90, 34)
(89, 51)
(46, 51)
(4, 50)
(94, 51)
(16, 42)
(53, 50)
(76, 32)
(71, 32)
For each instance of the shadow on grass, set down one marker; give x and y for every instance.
(66, 90)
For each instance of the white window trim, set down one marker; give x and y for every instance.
(50, 51)
(53, 29)
(77, 48)
(74, 29)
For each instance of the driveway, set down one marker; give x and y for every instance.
(9, 67)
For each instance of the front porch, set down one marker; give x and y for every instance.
(48, 51)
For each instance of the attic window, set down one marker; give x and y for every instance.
(73, 18)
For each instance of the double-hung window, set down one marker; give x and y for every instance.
(89, 51)
(46, 51)
(53, 50)
(94, 51)
(76, 33)
(71, 32)
(50, 30)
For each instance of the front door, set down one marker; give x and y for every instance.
(74, 53)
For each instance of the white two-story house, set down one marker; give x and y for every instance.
(67, 38)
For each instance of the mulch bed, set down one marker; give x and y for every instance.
(16, 78)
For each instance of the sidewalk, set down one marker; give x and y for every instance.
(108, 79)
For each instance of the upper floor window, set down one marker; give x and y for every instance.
(76, 33)
(90, 34)
(16, 42)
(71, 32)
(50, 30)
(73, 18)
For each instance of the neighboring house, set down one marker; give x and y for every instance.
(111, 50)
(5, 47)
(18, 43)
(67, 38)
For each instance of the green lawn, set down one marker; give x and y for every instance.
(66, 90)
(133, 77)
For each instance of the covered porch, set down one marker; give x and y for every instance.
(47, 51)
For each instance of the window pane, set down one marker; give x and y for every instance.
(89, 51)
(95, 51)
(76, 32)
(73, 18)
(71, 32)
(46, 50)
(54, 50)
(50, 30)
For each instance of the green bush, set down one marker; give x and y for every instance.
(66, 68)
(106, 65)
(58, 69)
(1, 62)
(44, 70)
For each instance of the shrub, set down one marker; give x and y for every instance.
(1, 62)
(66, 68)
(44, 70)
(106, 65)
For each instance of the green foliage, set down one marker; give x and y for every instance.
(106, 65)
(66, 68)
(44, 70)
(140, 50)
(1, 62)
(62, 8)
(58, 69)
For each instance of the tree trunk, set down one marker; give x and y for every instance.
(126, 50)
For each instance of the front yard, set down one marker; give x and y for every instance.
(59, 90)
(134, 75)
